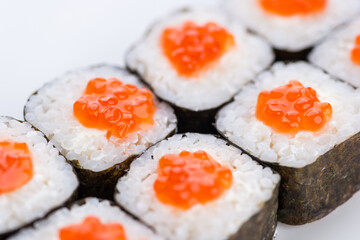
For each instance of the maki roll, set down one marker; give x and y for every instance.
(197, 59)
(195, 187)
(304, 124)
(339, 54)
(89, 219)
(292, 26)
(100, 118)
(31, 168)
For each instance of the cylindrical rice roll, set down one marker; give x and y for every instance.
(197, 59)
(34, 177)
(339, 54)
(90, 218)
(292, 26)
(307, 130)
(198, 187)
(100, 118)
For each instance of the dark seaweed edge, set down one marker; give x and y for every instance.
(285, 55)
(263, 224)
(113, 173)
(92, 183)
(70, 199)
(329, 36)
(266, 216)
(201, 121)
(180, 108)
(304, 198)
(80, 202)
(295, 211)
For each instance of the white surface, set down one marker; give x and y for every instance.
(41, 39)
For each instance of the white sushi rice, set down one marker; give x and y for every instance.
(216, 85)
(48, 229)
(252, 186)
(51, 111)
(237, 120)
(334, 53)
(293, 33)
(52, 184)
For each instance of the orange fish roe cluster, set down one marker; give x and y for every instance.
(116, 107)
(188, 178)
(192, 48)
(289, 8)
(355, 53)
(292, 108)
(92, 229)
(16, 168)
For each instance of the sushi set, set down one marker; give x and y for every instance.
(223, 122)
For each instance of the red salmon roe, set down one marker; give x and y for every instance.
(92, 229)
(116, 107)
(289, 8)
(188, 178)
(292, 108)
(16, 168)
(355, 53)
(192, 48)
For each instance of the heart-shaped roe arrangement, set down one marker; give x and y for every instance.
(193, 48)
(292, 108)
(92, 229)
(288, 8)
(16, 167)
(187, 179)
(116, 107)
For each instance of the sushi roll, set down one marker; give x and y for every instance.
(88, 219)
(197, 59)
(305, 125)
(100, 118)
(339, 54)
(34, 177)
(292, 26)
(197, 187)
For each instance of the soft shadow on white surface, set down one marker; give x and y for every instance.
(41, 39)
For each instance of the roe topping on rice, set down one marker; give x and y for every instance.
(292, 108)
(189, 178)
(355, 52)
(92, 229)
(16, 168)
(288, 8)
(116, 107)
(191, 48)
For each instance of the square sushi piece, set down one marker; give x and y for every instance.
(88, 219)
(34, 177)
(197, 187)
(305, 124)
(339, 53)
(197, 59)
(293, 25)
(100, 118)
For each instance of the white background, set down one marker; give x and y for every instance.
(40, 40)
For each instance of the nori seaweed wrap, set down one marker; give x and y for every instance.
(89, 218)
(196, 186)
(31, 170)
(100, 118)
(196, 60)
(312, 139)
